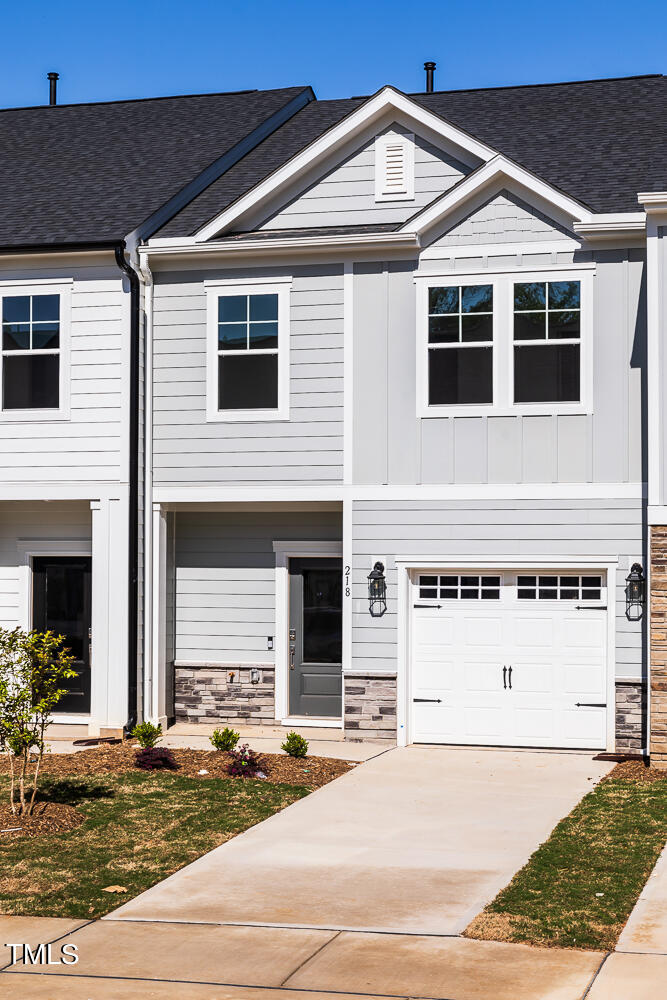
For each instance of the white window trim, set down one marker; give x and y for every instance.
(279, 286)
(63, 288)
(503, 343)
(407, 141)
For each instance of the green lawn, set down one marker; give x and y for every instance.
(608, 844)
(139, 828)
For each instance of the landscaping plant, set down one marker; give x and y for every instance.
(295, 745)
(146, 734)
(156, 759)
(34, 667)
(245, 762)
(225, 739)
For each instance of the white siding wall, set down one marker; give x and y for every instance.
(505, 218)
(91, 444)
(307, 447)
(346, 196)
(225, 580)
(489, 530)
(36, 521)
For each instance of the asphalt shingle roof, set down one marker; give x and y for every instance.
(600, 141)
(82, 173)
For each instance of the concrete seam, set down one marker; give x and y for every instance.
(595, 975)
(306, 960)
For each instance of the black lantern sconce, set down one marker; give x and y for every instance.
(635, 593)
(377, 591)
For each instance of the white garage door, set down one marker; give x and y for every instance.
(509, 659)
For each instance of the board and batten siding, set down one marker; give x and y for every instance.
(308, 447)
(91, 445)
(346, 195)
(224, 580)
(392, 445)
(505, 218)
(489, 530)
(35, 522)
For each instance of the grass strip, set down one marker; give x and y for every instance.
(139, 828)
(579, 887)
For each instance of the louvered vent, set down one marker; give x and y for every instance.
(394, 168)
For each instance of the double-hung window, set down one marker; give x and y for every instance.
(460, 344)
(248, 351)
(31, 351)
(547, 341)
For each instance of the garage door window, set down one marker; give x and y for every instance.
(459, 588)
(559, 588)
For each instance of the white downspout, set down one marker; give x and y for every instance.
(150, 693)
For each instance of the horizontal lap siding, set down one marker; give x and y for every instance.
(308, 447)
(503, 219)
(224, 580)
(38, 522)
(489, 530)
(89, 445)
(347, 195)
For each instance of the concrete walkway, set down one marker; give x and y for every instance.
(415, 841)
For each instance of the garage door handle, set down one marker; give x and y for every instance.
(589, 607)
(590, 704)
(438, 606)
(505, 677)
(510, 678)
(438, 700)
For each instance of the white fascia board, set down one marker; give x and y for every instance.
(286, 245)
(612, 225)
(653, 201)
(497, 169)
(375, 107)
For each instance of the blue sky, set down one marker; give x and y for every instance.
(107, 50)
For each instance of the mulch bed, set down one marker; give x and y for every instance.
(635, 770)
(310, 771)
(48, 817)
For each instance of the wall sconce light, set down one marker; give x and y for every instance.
(635, 593)
(254, 675)
(377, 591)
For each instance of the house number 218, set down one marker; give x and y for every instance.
(347, 581)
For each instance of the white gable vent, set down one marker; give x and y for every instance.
(394, 167)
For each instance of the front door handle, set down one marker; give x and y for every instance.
(504, 677)
(510, 678)
(291, 655)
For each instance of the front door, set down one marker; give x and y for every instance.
(61, 603)
(315, 637)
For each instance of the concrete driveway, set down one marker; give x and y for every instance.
(414, 841)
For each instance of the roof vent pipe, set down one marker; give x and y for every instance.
(430, 70)
(53, 81)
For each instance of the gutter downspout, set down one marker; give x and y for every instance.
(133, 480)
(151, 681)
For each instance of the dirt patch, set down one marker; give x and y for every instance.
(310, 771)
(48, 817)
(635, 770)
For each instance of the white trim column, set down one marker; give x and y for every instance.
(109, 611)
(156, 692)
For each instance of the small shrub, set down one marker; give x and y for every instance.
(225, 739)
(146, 734)
(245, 762)
(155, 759)
(295, 745)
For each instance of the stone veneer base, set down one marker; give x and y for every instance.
(369, 707)
(225, 693)
(630, 716)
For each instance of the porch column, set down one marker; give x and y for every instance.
(156, 696)
(109, 620)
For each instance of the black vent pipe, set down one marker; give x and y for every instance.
(133, 499)
(53, 82)
(430, 70)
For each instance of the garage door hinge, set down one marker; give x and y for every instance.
(428, 605)
(589, 607)
(590, 704)
(439, 700)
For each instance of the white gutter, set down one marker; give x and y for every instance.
(286, 244)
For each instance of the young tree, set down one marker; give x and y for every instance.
(33, 669)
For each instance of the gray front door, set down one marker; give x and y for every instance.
(315, 637)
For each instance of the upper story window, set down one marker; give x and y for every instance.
(394, 167)
(32, 346)
(517, 343)
(547, 341)
(460, 344)
(248, 367)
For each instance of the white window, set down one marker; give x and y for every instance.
(248, 350)
(394, 167)
(515, 343)
(458, 587)
(33, 351)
